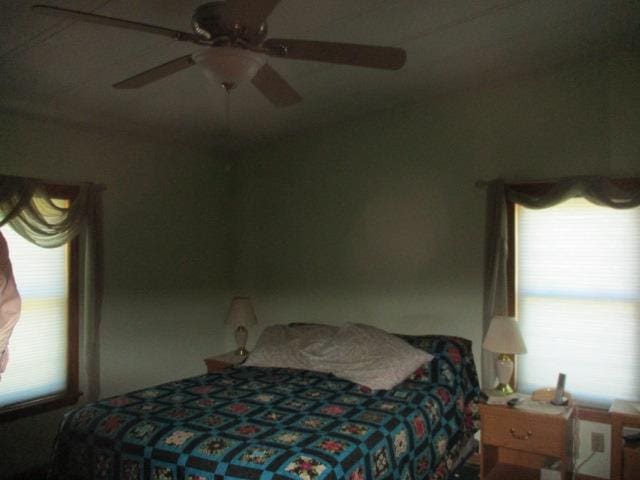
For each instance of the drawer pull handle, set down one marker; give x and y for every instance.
(526, 436)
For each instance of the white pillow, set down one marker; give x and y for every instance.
(281, 345)
(365, 355)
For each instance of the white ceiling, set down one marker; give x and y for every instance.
(64, 69)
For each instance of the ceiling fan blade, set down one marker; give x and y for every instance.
(156, 73)
(389, 58)
(274, 87)
(249, 13)
(114, 22)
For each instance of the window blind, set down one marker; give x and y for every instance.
(39, 344)
(578, 299)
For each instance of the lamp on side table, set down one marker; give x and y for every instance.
(504, 338)
(241, 315)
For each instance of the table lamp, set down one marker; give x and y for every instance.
(241, 315)
(503, 338)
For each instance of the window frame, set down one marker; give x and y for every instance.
(534, 188)
(72, 392)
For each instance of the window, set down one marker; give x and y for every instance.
(43, 351)
(577, 296)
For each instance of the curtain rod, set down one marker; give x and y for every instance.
(483, 183)
(101, 186)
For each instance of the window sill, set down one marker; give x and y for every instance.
(39, 405)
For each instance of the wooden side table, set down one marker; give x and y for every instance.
(625, 459)
(518, 443)
(218, 363)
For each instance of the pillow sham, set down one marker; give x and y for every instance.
(280, 346)
(365, 355)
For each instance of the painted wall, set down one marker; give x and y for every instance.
(167, 258)
(375, 221)
(379, 221)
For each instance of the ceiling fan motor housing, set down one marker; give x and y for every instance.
(212, 21)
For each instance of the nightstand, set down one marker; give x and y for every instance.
(518, 443)
(218, 363)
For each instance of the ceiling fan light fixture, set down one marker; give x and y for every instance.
(229, 65)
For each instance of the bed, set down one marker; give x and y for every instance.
(280, 423)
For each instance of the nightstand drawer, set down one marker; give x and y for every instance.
(519, 430)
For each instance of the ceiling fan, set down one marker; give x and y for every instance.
(235, 32)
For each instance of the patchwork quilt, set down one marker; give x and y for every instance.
(265, 423)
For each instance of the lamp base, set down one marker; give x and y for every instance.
(503, 389)
(504, 369)
(241, 334)
(242, 352)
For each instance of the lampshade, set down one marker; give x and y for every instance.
(229, 65)
(241, 312)
(504, 336)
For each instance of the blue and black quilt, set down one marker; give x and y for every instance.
(257, 423)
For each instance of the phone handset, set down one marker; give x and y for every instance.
(559, 398)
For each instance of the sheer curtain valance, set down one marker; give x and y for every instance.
(25, 203)
(598, 190)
